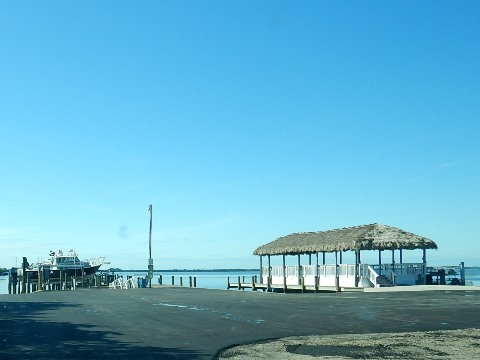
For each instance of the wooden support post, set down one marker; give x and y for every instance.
(190, 281)
(269, 279)
(173, 280)
(23, 288)
(323, 257)
(261, 268)
(160, 280)
(300, 275)
(194, 281)
(379, 262)
(181, 281)
(284, 275)
(337, 278)
(462, 273)
(40, 278)
(357, 278)
(24, 275)
(303, 285)
(239, 285)
(254, 280)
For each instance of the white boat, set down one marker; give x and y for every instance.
(68, 264)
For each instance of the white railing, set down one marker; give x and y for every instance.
(368, 272)
(324, 275)
(402, 273)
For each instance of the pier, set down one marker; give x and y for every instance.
(242, 284)
(22, 282)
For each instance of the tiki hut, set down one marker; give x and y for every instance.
(365, 237)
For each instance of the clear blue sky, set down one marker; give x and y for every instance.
(240, 122)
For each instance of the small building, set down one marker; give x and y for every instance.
(376, 237)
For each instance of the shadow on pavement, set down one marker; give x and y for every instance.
(24, 335)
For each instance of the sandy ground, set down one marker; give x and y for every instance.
(444, 344)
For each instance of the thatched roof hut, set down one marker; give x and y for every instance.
(364, 237)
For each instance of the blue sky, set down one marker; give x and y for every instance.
(240, 122)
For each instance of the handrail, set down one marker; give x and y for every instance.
(372, 275)
(394, 276)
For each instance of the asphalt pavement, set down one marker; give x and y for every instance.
(188, 323)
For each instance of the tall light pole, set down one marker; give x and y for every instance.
(150, 260)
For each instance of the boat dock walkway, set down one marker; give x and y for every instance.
(242, 284)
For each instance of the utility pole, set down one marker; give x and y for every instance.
(150, 260)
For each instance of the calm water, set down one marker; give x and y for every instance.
(218, 280)
(205, 279)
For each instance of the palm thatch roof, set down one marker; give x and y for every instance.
(364, 237)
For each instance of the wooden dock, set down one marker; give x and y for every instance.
(243, 284)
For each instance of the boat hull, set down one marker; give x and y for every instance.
(54, 272)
